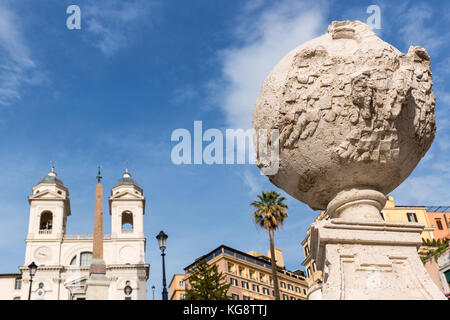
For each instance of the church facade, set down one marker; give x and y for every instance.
(64, 260)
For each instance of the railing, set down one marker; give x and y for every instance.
(44, 231)
(127, 230)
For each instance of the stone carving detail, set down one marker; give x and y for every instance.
(342, 103)
(368, 90)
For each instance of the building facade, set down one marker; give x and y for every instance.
(439, 271)
(63, 260)
(439, 218)
(250, 275)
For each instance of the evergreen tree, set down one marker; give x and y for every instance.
(206, 283)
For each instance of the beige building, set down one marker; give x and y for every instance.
(250, 275)
(177, 287)
(312, 273)
(63, 260)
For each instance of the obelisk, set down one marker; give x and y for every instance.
(97, 286)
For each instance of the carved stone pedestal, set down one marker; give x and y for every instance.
(364, 257)
(97, 287)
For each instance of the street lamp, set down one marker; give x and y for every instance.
(162, 239)
(153, 290)
(32, 267)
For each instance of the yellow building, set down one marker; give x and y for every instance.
(390, 212)
(177, 287)
(250, 275)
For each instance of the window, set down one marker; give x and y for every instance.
(245, 284)
(231, 253)
(182, 296)
(73, 262)
(290, 287)
(127, 221)
(292, 298)
(314, 266)
(240, 256)
(241, 271)
(308, 272)
(18, 284)
(85, 258)
(304, 291)
(439, 224)
(230, 267)
(246, 297)
(283, 285)
(181, 283)
(252, 274)
(234, 296)
(16, 298)
(273, 293)
(233, 281)
(261, 278)
(285, 297)
(46, 222)
(255, 288)
(297, 289)
(306, 250)
(127, 298)
(412, 217)
(266, 291)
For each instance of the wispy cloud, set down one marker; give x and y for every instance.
(183, 94)
(251, 181)
(263, 37)
(112, 23)
(419, 26)
(16, 66)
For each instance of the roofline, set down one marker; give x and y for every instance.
(173, 277)
(10, 275)
(227, 247)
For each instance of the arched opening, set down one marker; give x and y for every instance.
(46, 222)
(127, 221)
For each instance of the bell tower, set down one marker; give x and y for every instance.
(49, 208)
(127, 208)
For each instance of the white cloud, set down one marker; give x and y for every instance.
(264, 37)
(112, 23)
(16, 66)
(419, 28)
(251, 182)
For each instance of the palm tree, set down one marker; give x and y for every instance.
(270, 212)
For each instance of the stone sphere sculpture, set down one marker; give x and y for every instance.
(353, 113)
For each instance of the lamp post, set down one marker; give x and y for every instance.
(162, 239)
(153, 290)
(32, 267)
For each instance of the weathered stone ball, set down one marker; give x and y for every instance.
(352, 111)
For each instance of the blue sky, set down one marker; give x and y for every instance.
(115, 90)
